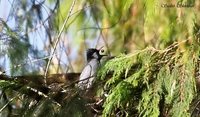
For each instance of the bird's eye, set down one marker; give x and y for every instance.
(102, 52)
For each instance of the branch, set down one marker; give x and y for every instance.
(67, 78)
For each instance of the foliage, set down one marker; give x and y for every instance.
(164, 81)
(149, 82)
(153, 74)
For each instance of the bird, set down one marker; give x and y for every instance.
(2, 71)
(88, 74)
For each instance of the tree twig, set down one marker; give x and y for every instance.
(57, 40)
(8, 103)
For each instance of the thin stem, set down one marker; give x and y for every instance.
(57, 40)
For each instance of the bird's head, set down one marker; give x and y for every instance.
(93, 53)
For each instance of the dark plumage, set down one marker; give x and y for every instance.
(93, 53)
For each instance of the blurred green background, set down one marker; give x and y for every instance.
(29, 29)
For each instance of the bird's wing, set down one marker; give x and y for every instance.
(85, 76)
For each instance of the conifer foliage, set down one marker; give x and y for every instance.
(159, 77)
(152, 82)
